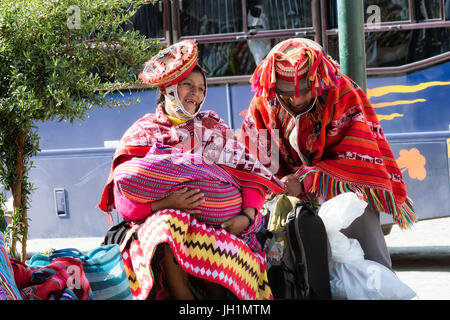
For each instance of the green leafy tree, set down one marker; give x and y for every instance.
(59, 59)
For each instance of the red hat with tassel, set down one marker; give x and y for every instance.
(297, 60)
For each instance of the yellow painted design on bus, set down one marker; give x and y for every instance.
(396, 103)
(388, 116)
(381, 91)
(448, 147)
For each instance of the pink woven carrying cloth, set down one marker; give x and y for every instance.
(166, 169)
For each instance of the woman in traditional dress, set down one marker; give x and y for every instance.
(330, 140)
(193, 192)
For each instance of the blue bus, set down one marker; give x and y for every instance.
(408, 82)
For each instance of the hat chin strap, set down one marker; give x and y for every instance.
(176, 108)
(286, 107)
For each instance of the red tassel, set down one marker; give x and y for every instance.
(315, 65)
(296, 81)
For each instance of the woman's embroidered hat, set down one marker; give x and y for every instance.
(295, 60)
(170, 65)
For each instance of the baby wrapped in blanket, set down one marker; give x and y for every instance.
(166, 169)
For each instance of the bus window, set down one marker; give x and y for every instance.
(333, 46)
(447, 10)
(201, 17)
(396, 10)
(280, 14)
(204, 17)
(399, 47)
(226, 58)
(399, 39)
(148, 20)
(425, 43)
(332, 15)
(428, 9)
(389, 10)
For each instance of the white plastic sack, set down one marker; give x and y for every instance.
(351, 276)
(367, 280)
(338, 213)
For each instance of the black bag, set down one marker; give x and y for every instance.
(297, 257)
(118, 233)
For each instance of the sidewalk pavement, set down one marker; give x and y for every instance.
(421, 258)
(427, 240)
(43, 245)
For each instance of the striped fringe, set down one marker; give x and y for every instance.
(381, 200)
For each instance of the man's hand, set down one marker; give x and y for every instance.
(183, 199)
(293, 187)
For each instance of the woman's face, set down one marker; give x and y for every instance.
(191, 91)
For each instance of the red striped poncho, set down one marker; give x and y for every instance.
(343, 148)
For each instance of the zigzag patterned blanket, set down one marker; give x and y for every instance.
(202, 251)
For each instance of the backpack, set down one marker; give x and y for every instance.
(297, 251)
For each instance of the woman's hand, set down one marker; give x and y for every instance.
(184, 199)
(239, 223)
(293, 186)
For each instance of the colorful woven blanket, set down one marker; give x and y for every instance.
(343, 148)
(166, 169)
(8, 288)
(202, 251)
(62, 279)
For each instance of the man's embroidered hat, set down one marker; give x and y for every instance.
(170, 65)
(296, 60)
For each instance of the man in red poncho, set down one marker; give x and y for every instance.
(330, 140)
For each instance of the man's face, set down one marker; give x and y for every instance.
(285, 91)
